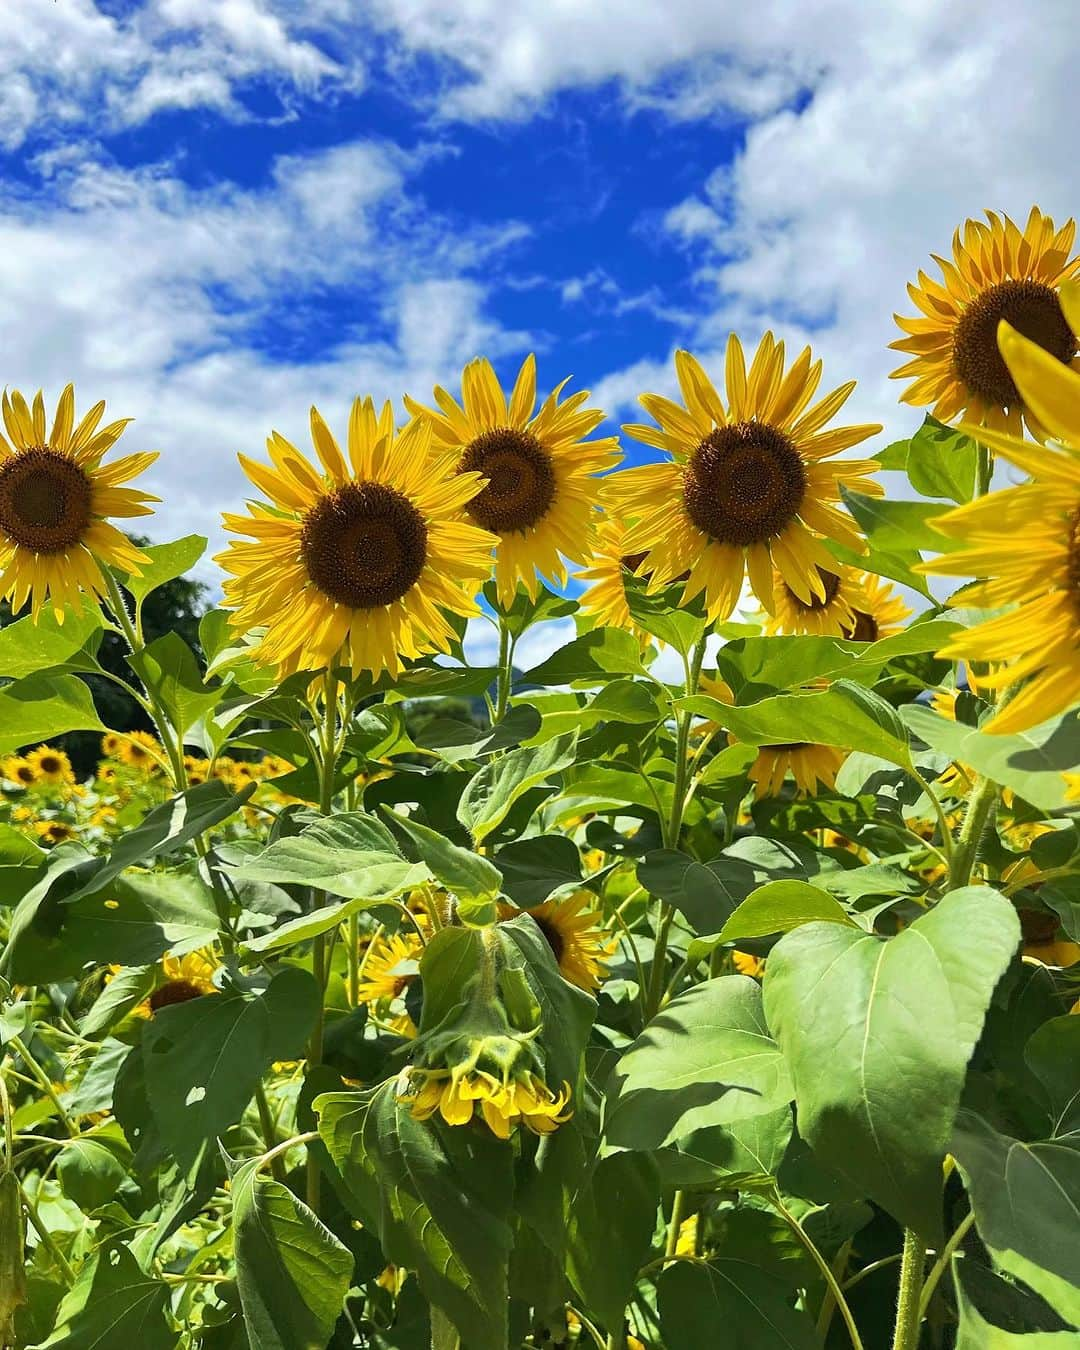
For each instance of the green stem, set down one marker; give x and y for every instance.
(353, 955)
(828, 1303)
(678, 1208)
(908, 1315)
(285, 1145)
(44, 1082)
(939, 811)
(9, 1125)
(823, 1266)
(46, 1239)
(942, 1263)
(506, 658)
(983, 798)
(269, 1133)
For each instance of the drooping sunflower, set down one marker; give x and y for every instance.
(55, 498)
(749, 485)
(997, 273)
(540, 496)
(1024, 545)
(51, 766)
(501, 1101)
(572, 930)
(360, 561)
(813, 767)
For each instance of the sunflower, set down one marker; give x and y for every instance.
(1043, 938)
(608, 571)
(1024, 544)
(812, 766)
(879, 611)
(502, 1102)
(572, 931)
(359, 561)
(18, 769)
(184, 978)
(746, 485)
(140, 750)
(996, 273)
(51, 766)
(111, 744)
(747, 964)
(540, 497)
(53, 831)
(390, 965)
(55, 495)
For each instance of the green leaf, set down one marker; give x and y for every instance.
(523, 611)
(780, 906)
(139, 917)
(42, 707)
(743, 1153)
(439, 1199)
(125, 991)
(942, 462)
(168, 668)
(622, 700)
(167, 562)
(448, 967)
(752, 1306)
(976, 1333)
(455, 741)
(1053, 1056)
(610, 1231)
(893, 525)
(844, 715)
(592, 658)
(679, 628)
(27, 646)
(351, 855)
(1030, 762)
(537, 867)
(1026, 1198)
(707, 1059)
(460, 870)
(490, 794)
(112, 1303)
(291, 1271)
(94, 1166)
(878, 1034)
(204, 1058)
(755, 668)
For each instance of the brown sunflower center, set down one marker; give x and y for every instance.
(865, 628)
(521, 479)
(1037, 926)
(829, 580)
(364, 545)
(25, 774)
(553, 937)
(175, 991)
(744, 483)
(1033, 309)
(45, 500)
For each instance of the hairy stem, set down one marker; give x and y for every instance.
(980, 804)
(908, 1318)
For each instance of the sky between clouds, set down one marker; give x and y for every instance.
(214, 213)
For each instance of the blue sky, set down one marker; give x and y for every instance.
(216, 212)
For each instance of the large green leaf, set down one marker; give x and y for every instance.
(94, 1166)
(1053, 1056)
(778, 907)
(1030, 762)
(438, 1197)
(611, 1226)
(1026, 1199)
(468, 875)
(167, 562)
(112, 1303)
(749, 1307)
(291, 1271)
(845, 715)
(745, 1152)
(28, 646)
(204, 1058)
(707, 1059)
(139, 917)
(878, 1034)
(350, 855)
(534, 868)
(592, 658)
(976, 1333)
(942, 462)
(43, 706)
(168, 667)
(490, 794)
(894, 525)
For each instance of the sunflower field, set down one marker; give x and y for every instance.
(708, 983)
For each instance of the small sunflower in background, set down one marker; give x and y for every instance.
(748, 487)
(573, 932)
(813, 767)
(140, 750)
(53, 832)
(55, 497)
(609, 569)
(390, 965)
(359, 561)
(1024, 545)
(857, 606)
(997, 273)
(111, 744)
(18, 769)
(540, 496)
(51, 766)
(1044, 939)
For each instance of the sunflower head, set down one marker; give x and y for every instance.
(748, 486)
(111, 743)
(356, 562)
(19, 769)
(813, 767)
(55, 499)
(997, 273)
(573, 932)
(53, 832)
(140, 750)
(51, 766)
(539, 494)
(389, 965)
